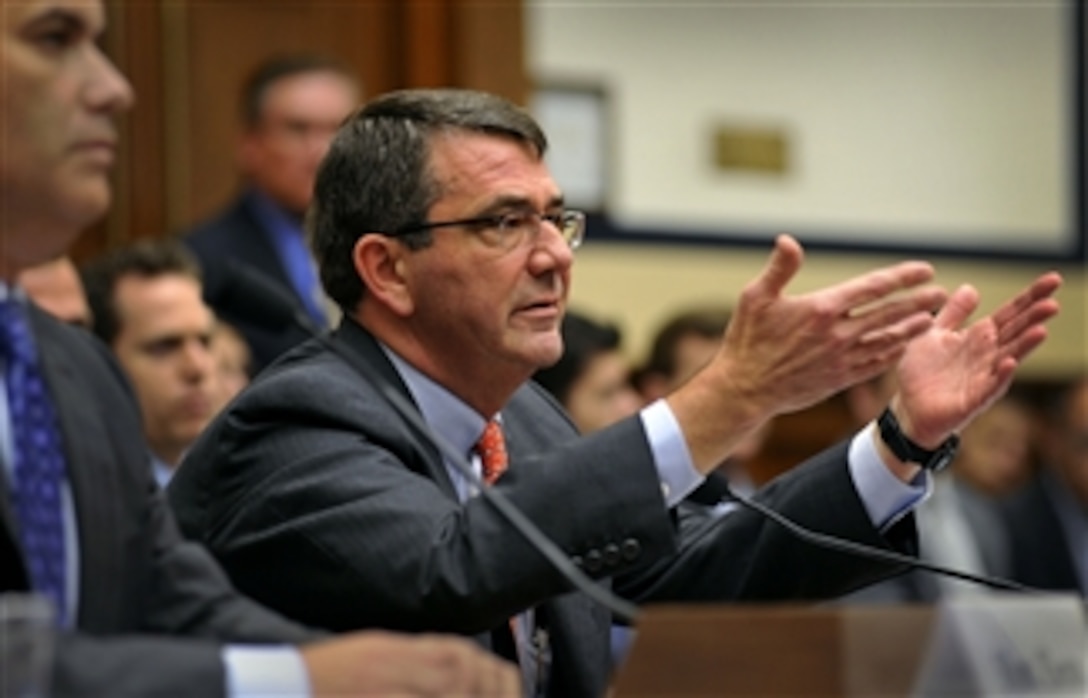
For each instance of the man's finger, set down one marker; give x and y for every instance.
(1040, 289)
(856, 293)
(1026, 343)
(959, 307)
(782, 266)
(1037, 314)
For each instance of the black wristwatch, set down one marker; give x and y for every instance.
(906, 450)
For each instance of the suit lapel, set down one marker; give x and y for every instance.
(87, 445)
(379, 371)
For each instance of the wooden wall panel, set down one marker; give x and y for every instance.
(187, 58)
(426, 29)
(223, 41)
(489, 48)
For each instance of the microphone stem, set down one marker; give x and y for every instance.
(866, 551)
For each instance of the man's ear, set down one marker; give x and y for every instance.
(379, 262)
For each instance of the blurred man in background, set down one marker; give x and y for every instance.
(290, 108)
(1047, 521)
(147, 306)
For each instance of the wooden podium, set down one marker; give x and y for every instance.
(982, 645)
(776, 651)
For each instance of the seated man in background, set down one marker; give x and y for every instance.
(56, 287)
(444, 238)
(138, 611)
(686, 342)
(591, 380)
(1047, 521)
(147, 307)
(290, 108)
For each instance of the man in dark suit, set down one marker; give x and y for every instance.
(443, 237)
(140, 612)
(1047, 521)
(291, 106)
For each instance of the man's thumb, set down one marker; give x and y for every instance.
(782, 266)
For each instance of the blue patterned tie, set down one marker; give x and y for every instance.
(39, 460)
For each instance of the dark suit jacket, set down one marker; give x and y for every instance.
(236, 236)
(141, 587)
(1040, 549)
(320, 500)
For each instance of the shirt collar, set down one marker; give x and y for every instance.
(7, 292)
(444, 412)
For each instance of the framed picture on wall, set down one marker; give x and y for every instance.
(575, 119)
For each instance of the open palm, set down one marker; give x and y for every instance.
(952, 373)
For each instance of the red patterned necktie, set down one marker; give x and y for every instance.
(492, 451)
(493, 463)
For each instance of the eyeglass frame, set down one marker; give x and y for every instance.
(497, 221)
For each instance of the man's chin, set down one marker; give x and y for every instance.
(87, 206)
(548, 353)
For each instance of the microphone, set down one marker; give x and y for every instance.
(273, 307)
(867, 551)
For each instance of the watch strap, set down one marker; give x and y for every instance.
(907, 450)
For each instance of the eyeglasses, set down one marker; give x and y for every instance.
(510, 230)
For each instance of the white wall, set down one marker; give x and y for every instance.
(923, 117)
(944, 121)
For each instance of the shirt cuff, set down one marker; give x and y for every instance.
(672, 459)
(265, 671)
(886, 498)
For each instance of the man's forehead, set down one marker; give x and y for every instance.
(295, 90)
(457, 153)
(158, 306)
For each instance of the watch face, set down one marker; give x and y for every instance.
(945, 453)
(941, 461)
